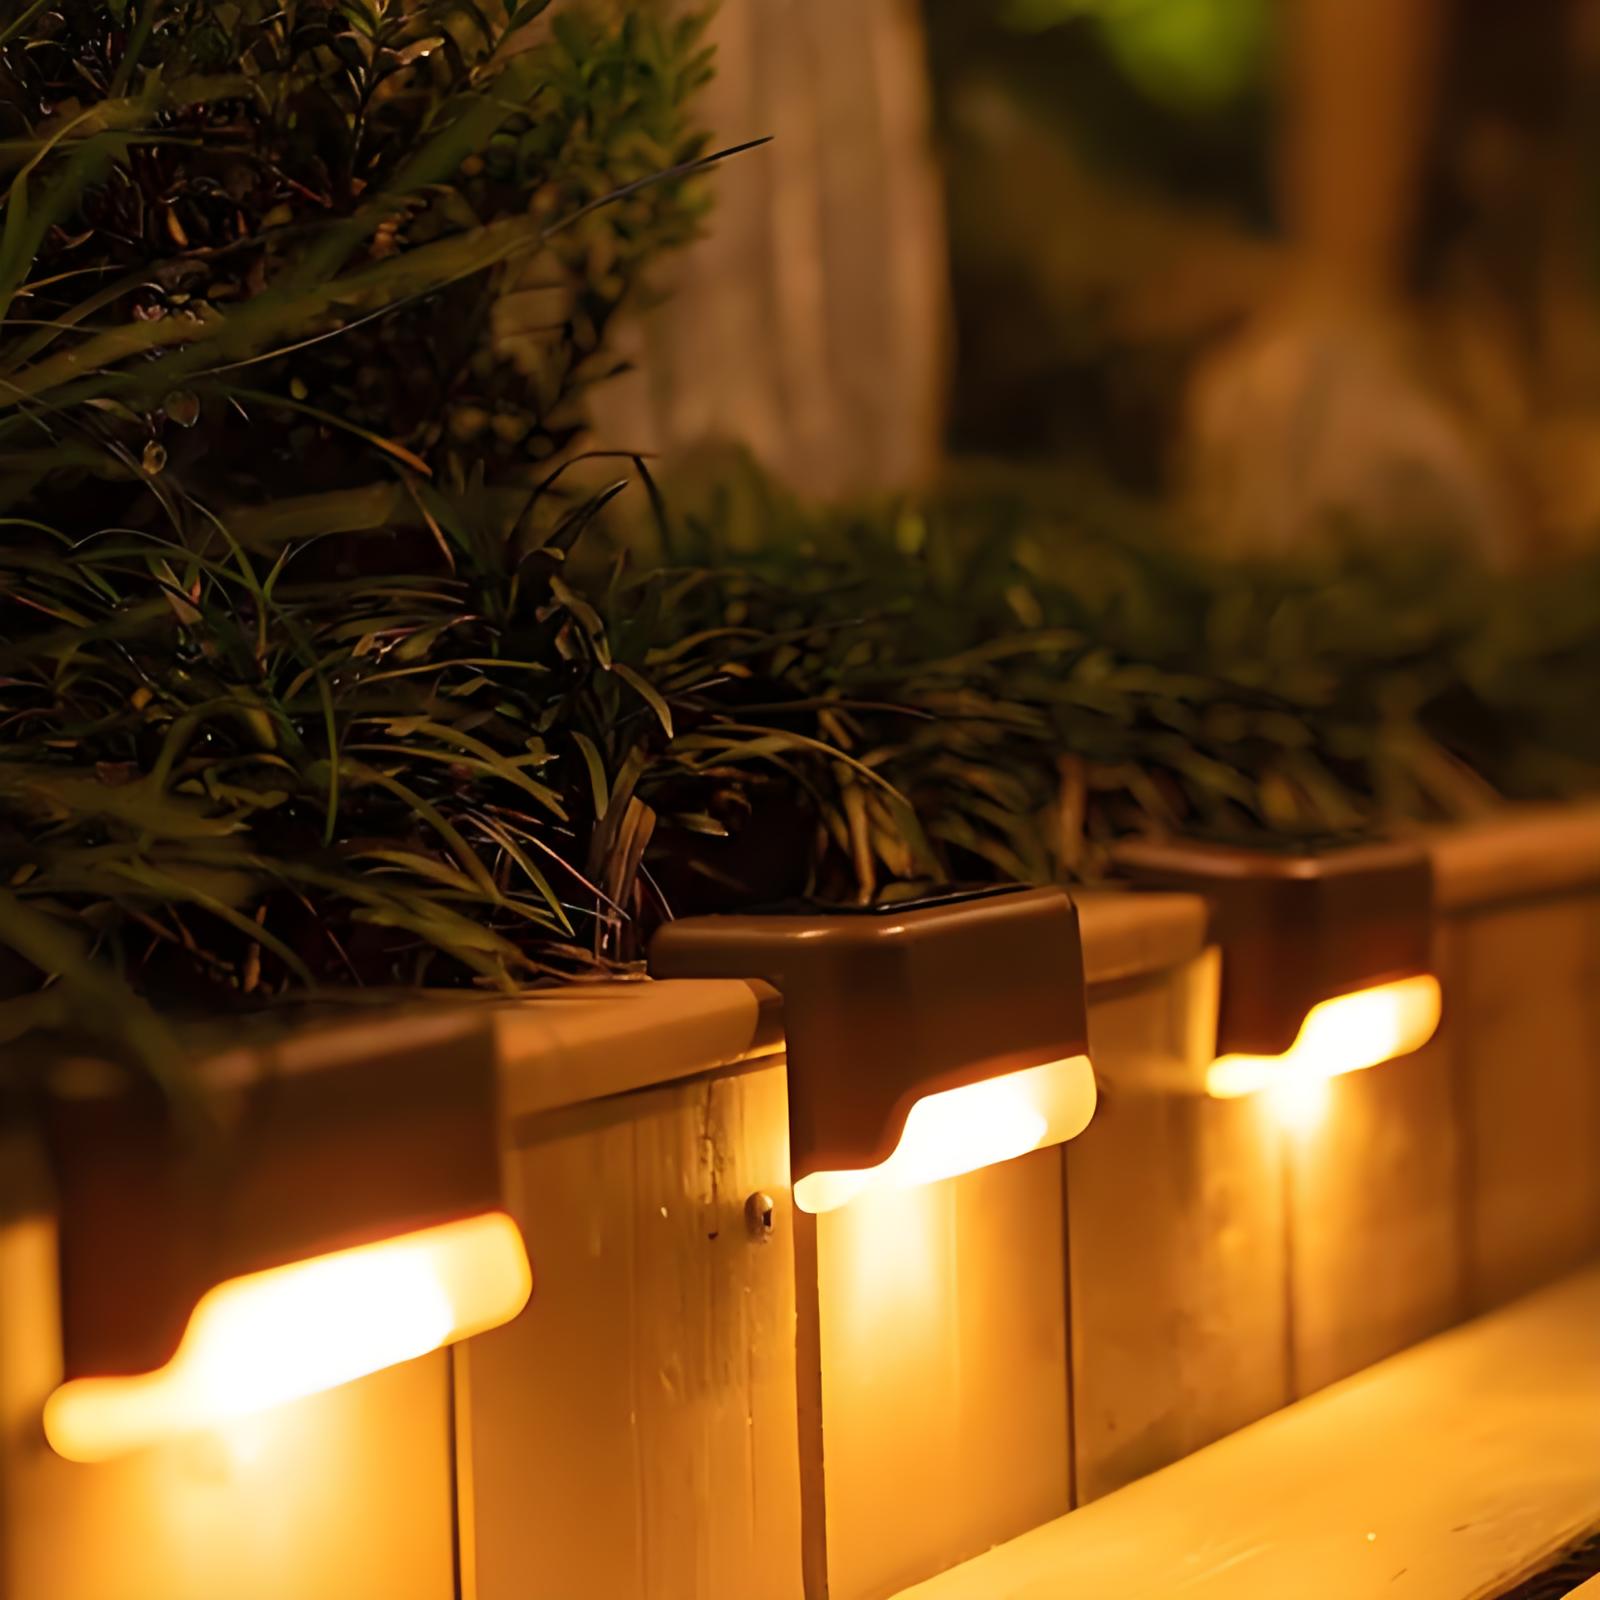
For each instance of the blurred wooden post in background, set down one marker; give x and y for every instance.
(1321, 414)
(810, 323)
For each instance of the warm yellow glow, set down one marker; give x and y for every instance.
(257, 1341)
(960, 1130)
(1299, 1099)
(1345, 1034)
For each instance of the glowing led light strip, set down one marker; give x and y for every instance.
(1345, 1034)
(960, 1130)
(260, 1340)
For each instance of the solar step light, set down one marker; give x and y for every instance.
(924, 1039)
(1327, 962)
(297, 1218)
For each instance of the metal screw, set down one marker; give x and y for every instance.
(758, 1215)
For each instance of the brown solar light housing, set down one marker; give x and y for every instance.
(275, 1157)
(884, 1005)
(1296, 930)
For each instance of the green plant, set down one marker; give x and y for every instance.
(255, 246)
(293, 688)
(1039, 674)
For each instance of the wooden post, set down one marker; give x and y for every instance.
(1177, 1244)
(944, 1372)
(633, 1434)
(810, 323)
(1529, 1046)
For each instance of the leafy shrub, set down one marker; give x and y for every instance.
(256, 252)
(1039, 674)
(293, 687)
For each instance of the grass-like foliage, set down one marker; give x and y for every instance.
(1040, 670)
(292, 687)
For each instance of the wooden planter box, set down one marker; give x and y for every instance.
(694, 1409)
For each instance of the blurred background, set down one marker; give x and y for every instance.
(1278, 266)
